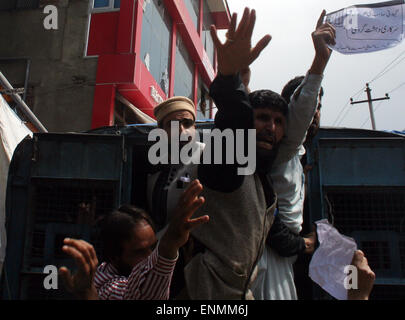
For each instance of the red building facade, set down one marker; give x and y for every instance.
(149, 50)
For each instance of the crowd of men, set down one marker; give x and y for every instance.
(208, 232)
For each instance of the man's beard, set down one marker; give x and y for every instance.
(265, 158)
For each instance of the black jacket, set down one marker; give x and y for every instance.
(235, 112)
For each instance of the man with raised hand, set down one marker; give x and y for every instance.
(275, 280)
(241, 207)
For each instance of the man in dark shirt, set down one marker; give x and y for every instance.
(242, 207)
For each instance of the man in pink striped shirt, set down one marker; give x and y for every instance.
(137, 265)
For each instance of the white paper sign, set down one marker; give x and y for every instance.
(368, 28)
(328, 262)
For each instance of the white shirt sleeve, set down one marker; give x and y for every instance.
(301, 111)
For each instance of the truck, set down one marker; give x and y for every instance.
(61, 184)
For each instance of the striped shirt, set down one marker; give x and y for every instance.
(149, 280)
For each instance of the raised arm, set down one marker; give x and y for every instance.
(230, 95)
(304, 101)
(234, 55)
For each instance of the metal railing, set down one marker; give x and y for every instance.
(21, 104)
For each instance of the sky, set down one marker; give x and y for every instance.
(290, 53)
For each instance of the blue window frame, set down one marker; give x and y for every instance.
(101, 3)
(106, 4)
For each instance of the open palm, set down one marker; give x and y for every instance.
(237, 52)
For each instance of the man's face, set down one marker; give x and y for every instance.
(186, 124)
(141, 244)
(270, 126)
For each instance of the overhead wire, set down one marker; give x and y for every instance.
(346, 109)
(388, 70)
(343, 109)
(383, 72)
(401, 85)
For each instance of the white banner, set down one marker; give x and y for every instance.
(368, 28)
(12, 131)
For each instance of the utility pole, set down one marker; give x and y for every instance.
(370, 103)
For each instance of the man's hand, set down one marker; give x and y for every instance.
(323, 36)
(237, 52)
(365, 278)
(180, 226)
(81, 283)
(310, 241)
